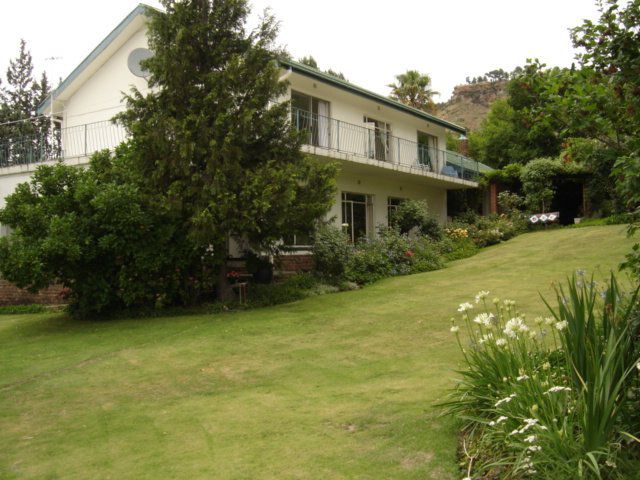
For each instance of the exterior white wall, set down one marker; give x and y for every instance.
(381, 187)
(100, 97)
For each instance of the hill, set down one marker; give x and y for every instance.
(470, 103)
(334, 386)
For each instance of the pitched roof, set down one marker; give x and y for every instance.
(140, 9)
(350, 87)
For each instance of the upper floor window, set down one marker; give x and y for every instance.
(311, 116)
(378, 144)
(427, 150)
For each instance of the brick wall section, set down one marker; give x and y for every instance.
(12, 295)
(295, 263)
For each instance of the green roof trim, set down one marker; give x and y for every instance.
(350, 87)
(141, 9)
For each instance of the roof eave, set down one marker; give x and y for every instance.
(140, 9)
(338, 83)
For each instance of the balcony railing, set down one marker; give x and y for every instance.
(69, 142)
(378, 144)
(318, 131)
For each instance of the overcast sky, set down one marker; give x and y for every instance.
(369, 41)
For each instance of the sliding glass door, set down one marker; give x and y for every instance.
(311, 115)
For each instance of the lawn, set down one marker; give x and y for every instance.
(337, 386)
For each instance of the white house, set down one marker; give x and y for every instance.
(386, 150)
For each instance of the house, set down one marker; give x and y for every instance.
(387, 151)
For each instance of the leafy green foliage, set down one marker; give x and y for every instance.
(391, 253)
(211, 140)
(331, 251)
(414, 89)
(95, 232)
(538, 181)
(414, 214)
(549, 398)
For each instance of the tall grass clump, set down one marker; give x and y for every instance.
(554, 398)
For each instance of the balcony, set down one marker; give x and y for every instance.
(72, 142)
(372, 143)
(326, 135)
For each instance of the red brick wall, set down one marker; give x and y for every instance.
(296, 263)
(12, 295)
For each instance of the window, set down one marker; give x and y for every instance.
(298, 241)
(311, 115)
(392, 205)
(379, 139)
(428, 151)
(357, 214)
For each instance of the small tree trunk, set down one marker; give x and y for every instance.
(223, 289)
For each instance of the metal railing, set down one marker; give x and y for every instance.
(378, 144)
(69, 142)
(319, 131)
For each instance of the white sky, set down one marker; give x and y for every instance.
(370, 41)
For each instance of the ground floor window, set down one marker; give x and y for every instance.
(392, 205)
(298, 241)
(357, 214)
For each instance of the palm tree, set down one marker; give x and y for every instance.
(414, 89)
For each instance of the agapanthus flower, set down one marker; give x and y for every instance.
(481, 295)
(557, 389)
(484, 319)
(463, 307)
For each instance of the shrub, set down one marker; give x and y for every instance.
(102, 237)
(550, 398)
(414, 214)
(456, 248)
(391, 253)
(294, 288)
(331, 251)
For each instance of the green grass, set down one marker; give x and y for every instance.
(335, 386)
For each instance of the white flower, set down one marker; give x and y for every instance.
(534, 448)
(530, 439)
(561, 325)
(509, 303)
(500, 342)
(481, 295)
(638, 366)
(546, 366)
(522, 377)
(549, 321)
(463, 307)
(455, 329)
(484, 319)
(496, 301)
(538, 320)
(557, 389)
(514, 326)
(505, 400)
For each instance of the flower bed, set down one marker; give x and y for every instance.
(553, 398)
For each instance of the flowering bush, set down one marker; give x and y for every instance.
(552, 398)
(457, 233)
(391, 253)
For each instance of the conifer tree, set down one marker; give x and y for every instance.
(212, 137)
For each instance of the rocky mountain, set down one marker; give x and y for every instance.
(470, 103)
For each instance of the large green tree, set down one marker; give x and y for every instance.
(211, 136)
(23, 136)
(414, 89)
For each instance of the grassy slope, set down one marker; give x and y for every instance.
(339, 386)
